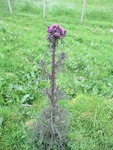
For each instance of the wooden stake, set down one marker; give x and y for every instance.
(83, 11)
(9, 5)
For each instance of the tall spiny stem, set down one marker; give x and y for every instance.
(53, 89)
(53, 74)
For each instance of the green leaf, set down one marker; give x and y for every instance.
(25, 97)
(1, 121)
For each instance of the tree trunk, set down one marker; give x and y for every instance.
(83, 11)
(9, 5)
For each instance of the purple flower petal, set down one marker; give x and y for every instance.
(50, 29)
(56, 35)
(62, 31)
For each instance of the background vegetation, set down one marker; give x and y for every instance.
(87, 78)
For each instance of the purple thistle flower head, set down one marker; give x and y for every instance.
(55, 32)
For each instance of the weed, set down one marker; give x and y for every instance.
(51, 128)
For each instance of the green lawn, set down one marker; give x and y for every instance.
(86, 77)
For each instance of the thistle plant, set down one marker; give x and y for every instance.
(51, 128)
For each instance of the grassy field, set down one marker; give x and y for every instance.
(87, 77)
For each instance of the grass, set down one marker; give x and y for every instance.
(87, 78)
